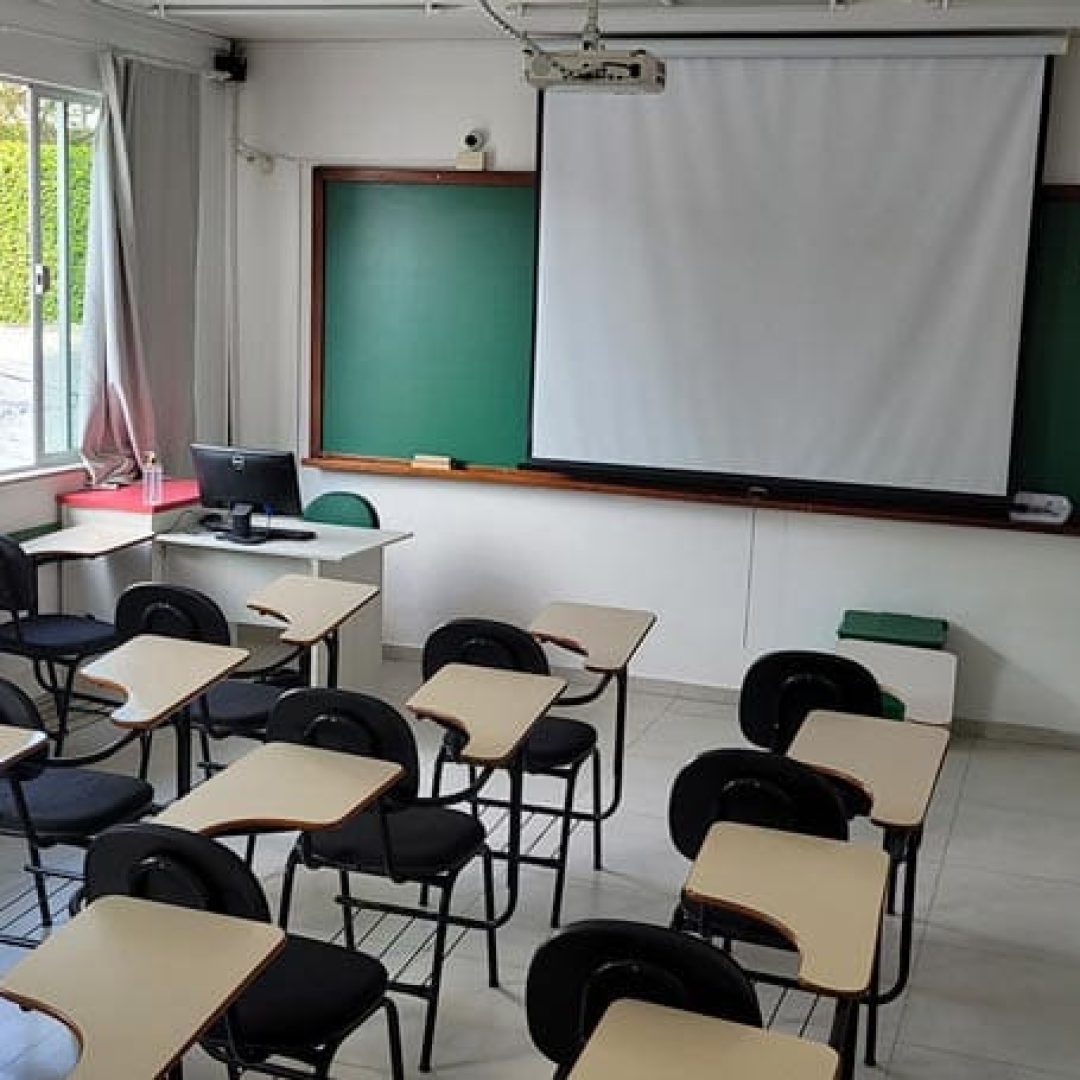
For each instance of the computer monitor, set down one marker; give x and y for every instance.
(244, 482)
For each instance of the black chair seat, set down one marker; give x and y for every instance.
(336, 988)
(557, 741)
(76, 802)
(425, 840)
(60, 635)
(236, 704)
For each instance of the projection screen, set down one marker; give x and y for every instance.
(797, 267)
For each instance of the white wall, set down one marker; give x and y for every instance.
(727, 583)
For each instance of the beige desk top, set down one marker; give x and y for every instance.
(607, 637)
(823, 895)
(311, 606)
(896, 764)
(636, 1040)
(282, 786)
(923, 679)
(17, 743)
(494, 708)
(86, 541)
(138, 982)
(160, 675)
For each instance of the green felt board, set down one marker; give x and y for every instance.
(1049, 447)
(916, 631)
(427, 332)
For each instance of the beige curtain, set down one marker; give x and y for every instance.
(140, 292)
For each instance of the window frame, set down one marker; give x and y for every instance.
(44, 462)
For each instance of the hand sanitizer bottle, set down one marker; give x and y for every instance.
(152, 480)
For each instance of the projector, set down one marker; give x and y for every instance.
(635, 72)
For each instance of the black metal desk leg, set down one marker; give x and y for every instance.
(845, 1034)
(513, 847)
(618, 753)
(910, 862)
(333, 657)
(182, 727)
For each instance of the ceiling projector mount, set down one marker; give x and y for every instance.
(590, 66)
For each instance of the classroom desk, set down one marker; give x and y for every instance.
(314, 610)
(923, 679)
(607, 638)
(85, 542)
(91, 586)
(138, 982)
(282, 786)
(159, 678)
(17, 743)
(637, 1040)
(897, 765)
(824, 896)
(231, 573)
(494, 710)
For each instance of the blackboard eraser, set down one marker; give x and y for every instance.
(432, 461)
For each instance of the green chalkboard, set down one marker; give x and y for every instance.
(1049, 413)
(426, 313)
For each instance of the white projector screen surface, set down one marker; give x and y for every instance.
(789, 267)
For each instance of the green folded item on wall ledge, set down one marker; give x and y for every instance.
(916, 631)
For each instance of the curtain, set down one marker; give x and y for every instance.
(213, 306)
(138, 364)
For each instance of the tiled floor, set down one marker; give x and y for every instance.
(996, 985)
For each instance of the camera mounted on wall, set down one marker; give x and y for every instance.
(231, 65)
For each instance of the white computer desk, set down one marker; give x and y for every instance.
(232, 573)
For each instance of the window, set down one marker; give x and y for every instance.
(46, 155)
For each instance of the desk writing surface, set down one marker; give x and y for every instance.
(86, 541)
(896, 764)
(137, 982)
(282, 786)
(160, 675)
(494, 708)
(312, 607)
(924, 679)
(332, 543)
(825, 896)
(637, 1040)
(607, 637)
(17, 743)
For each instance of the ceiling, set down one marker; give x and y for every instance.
(337, 20)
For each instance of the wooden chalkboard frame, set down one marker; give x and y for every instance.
(320, 458)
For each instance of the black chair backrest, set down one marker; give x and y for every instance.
(780, 689)
(483, 643)
(171, 611)
(18, 710)
(18, 578)
(350, 723)
(752, 787)
(575, 975)
(173, 866)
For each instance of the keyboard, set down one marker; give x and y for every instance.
(217, 524)
(286, 534)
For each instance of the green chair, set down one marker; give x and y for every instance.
(342, 508)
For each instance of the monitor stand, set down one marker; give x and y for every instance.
(240, 530)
